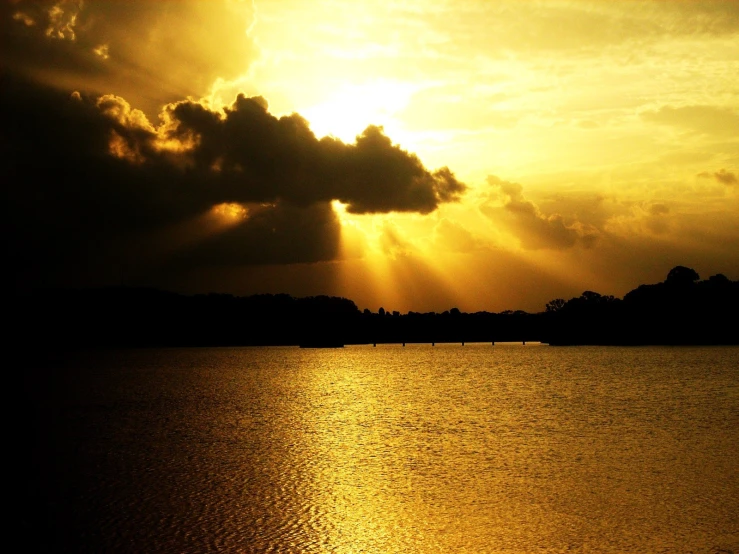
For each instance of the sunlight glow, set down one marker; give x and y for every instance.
(389, 260)
(348, 111)
(452, 85)
(230, 212)
(341, 213)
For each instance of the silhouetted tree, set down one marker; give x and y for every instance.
(681, 275)
(719, 279)
(556, 305)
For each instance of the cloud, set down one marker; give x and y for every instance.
(658, 209)
(535, 230)
(257, 157)
(722, 176)
(575, 27)
(96, 192)
(711, 120)
(149, 53)
(272, 234)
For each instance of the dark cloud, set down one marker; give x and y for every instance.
(95, 192)
(258, 157)
(533, 228)
(722, 176)
(272, 234)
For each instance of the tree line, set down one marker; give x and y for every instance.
(680, 310)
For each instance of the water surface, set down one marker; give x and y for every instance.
(421, 449)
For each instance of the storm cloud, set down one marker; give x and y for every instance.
(256, 157)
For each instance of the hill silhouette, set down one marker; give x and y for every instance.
(680, 310)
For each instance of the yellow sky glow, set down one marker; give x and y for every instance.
(598, 140)
(586, 104)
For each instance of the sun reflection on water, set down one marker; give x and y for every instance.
(391, 449)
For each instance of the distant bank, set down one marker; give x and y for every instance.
(680, 310)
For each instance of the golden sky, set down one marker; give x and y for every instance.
(517, 151)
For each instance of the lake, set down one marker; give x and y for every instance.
(416, 449)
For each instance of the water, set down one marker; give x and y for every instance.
(444, 449)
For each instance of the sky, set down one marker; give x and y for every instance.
(417, 155)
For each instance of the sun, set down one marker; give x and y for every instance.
(348, 110)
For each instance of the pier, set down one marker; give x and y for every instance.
(462, 343)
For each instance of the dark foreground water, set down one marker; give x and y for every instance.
(445, 449)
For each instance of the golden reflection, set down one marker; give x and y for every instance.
(408, 461)
(361, 492)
